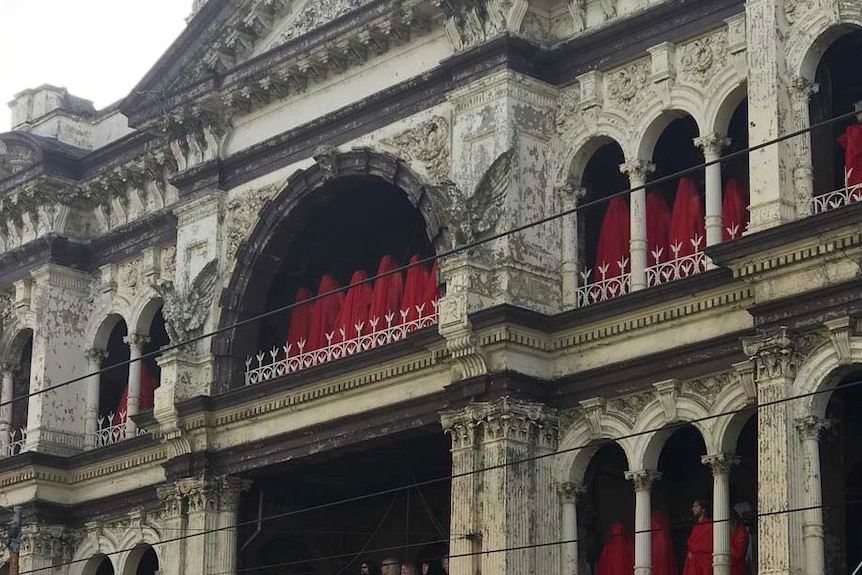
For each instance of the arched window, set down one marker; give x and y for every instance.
(16, 387)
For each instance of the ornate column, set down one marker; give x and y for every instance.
(464, 506)
(637, 171)
(776, 358)
(95, 357)
(801, 91)
(643, 480)
(712, 146)
(810, 428)
(569, 493)
(720, 464)
(136, 344)
(8, 387)
(571, 257)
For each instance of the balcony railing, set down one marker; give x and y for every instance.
(604, 288)
(679, 266)
(849, 194)
(108, 432)
(17, 441)
(374, 333)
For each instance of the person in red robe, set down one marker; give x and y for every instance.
(300, 321)
(663, 557)
(738, 548)
(386, 297)
(851, 141)
(618, 554)
(324, 313)
(613, 245)
(687, 225)
(698, 560)
(415, 285)
(355, 309)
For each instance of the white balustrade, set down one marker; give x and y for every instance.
(679, 266)
(603, 289)
(17, 440)
(109, 433)
(845, 196)
(376, 332)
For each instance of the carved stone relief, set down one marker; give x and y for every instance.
(630, 406)
(242, 214)
(313, 14)
(628, 86)
(427, 143)
(130, 277)
(703, 58)
(185, 313)
(168, 264)
(14, 158)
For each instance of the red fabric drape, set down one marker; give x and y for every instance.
(149, 383)
(738, 549)
(851, 141)
(432, 290)
(663, 557)
(687, 220)
(698, 560)
(300, 321)
(355, 307)
(387, 293)
(658, 227)
(613, 244)
(415, 285)
(618, 554)
(324, 313)
(122, 409)
(734, 210)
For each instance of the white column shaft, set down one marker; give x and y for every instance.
(713, 221)
(91, 426)
(721, 523)
(812, 531)
(643, 536)
(6, 412)
(638, 239)
(570, 536)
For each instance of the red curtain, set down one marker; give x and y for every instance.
(851, 141)
(432, 290)
(698, 561)
(687, 220)
(734, 210)
(613, 244)
(618, 554)
(122, 410)
(149, 383)
(387, 293)
(657, 226)
(415, 285)
(300, 321)
(324, 313)
(355, 308)
(663, 557)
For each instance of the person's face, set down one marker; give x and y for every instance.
(364, 569)
(389, 569)
(425, 569)
(446, 564)
(405, 569)
(697, 510)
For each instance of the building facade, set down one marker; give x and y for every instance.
(697, 338)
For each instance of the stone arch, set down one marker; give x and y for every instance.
(14, 347)
(810, 40)
(585, 143)
(257, 255)
(143, 314)
(103, 329)
(580, 444)
(129, 561)
(820, 374)
(648, 444)
(720, 109)
(657, 119)
(89, 555)
(726, 429)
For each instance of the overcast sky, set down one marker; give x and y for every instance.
(97, 49)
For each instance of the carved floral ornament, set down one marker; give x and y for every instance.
(428, 143)
(780, 353)
(624, 85)
(704, 57)
(242, 214)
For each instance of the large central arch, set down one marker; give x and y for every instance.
(261, 256)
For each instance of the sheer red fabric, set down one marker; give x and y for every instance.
(738, 549)
(324, 313)
(658, 227)
(686, 221)
(387, 293)
(613, 244)
(355, 309)
(851, 141)
(415, 286)
(149, 383)
(432, 290)
(698, 560)
(734, 210)
(618, 554)
(300, 321)
(663, 557)
(123, 408)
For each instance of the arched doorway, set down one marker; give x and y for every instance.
(347, 226)
(113, 382)
(157, 338)
(604, 228)
(684, 479)
(675, 216)
(16, 386)
(142, 560)
(841, 476)
(839, 90)
(608, 501)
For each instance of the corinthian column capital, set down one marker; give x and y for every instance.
(643, 478)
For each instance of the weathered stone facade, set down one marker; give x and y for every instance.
(187, 209)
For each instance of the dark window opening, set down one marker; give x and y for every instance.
(114, 380)
(602, 178)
